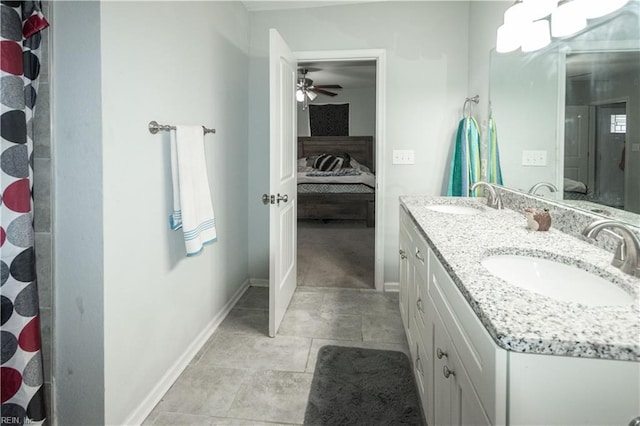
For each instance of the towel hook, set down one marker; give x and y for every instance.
(475, 100)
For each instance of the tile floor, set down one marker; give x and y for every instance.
(243, 377)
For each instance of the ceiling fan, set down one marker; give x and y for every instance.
(306, 90)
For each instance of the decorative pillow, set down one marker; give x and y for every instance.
(346, 163)
(328, 162)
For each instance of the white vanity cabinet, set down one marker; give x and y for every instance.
(456, 401)
(464, 377)
(432, 331)
(414, 257)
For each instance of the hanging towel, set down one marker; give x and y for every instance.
(465, 162)
(192, 207)
(494, 171)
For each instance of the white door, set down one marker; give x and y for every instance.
(282, 180)
(576, 143)
(610, 153)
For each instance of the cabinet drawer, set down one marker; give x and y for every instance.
(484, 362)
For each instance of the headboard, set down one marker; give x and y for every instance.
(359, 147)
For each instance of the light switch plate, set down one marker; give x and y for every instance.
(403, 156)
(534, 158)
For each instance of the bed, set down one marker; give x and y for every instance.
(327, 196)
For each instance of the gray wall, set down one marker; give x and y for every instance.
(42, 184)
(131, 309)
(429, 44)
(78, 246)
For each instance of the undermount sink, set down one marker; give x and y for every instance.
(559, 281)
(453, 209)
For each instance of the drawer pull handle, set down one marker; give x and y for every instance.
(635, 422)
(447, 372)
(418, 256)
(440, 353)
(420, 305)
(403, 254)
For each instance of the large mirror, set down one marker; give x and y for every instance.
(569, 117)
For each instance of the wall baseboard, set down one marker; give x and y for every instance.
(148, 404)
(259, 282)
(392, 287)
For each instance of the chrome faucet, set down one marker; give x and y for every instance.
(539, 185)
(493, 199)
(627, 255)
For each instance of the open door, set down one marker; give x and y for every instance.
(282, 199)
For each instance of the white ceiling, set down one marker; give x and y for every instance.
(258, 5)
(348, 74)
(602, 65)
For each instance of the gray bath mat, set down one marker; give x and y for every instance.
(355, 386)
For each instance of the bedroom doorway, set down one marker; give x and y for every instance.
(339, 240)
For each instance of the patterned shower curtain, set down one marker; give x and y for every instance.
(22, 368)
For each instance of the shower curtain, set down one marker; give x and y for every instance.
(22, 368)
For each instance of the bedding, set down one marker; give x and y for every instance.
(336, 180)
(356, 175)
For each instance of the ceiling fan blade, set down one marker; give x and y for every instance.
(322, 91)
(328, 86)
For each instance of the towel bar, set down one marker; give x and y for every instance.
(154, 128)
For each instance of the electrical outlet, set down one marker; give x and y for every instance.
(403, 156)
(534, 158)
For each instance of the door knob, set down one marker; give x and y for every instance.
(266, 199)
(284, 198)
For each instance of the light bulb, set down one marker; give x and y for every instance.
(568, 19)
(538, 9)
(516, 14)
(508, 39)
(299, 95)
(312, 95)
(536, 36)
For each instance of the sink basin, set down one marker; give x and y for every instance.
(453, 209)
(559, 281)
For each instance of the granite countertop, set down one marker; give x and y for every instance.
(517, 319)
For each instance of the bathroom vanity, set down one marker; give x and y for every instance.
(487, 352)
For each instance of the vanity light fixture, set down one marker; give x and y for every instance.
(536, 36)
(538, 9)
(568, 19)
(597, 8)
(526, 22)
(508, 39)
(509, 36)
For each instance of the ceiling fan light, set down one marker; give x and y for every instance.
(536, 36)
(568, 19)
(597, 8)
(312, 95)
(538, 9)
(299, 95)
(508, 39)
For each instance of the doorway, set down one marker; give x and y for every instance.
(609, 153)
(357, 261)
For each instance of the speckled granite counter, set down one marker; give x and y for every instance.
(517, 319)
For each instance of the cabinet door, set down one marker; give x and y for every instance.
(406, 270)
(456, 402)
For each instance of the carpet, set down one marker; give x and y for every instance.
(355, 386)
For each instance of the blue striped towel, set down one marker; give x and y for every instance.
(465, 162)
(192, 207)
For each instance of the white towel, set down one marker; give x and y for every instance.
(192, 207)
